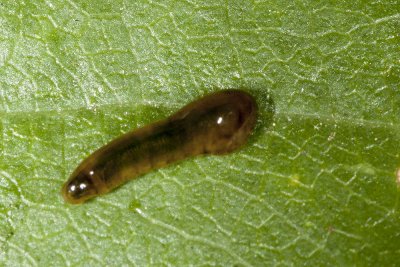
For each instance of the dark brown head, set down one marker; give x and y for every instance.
(79, 188)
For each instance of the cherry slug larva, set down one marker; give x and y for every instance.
(215, 124)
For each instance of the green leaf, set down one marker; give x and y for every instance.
(316, 187)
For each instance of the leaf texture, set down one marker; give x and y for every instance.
(316, 187)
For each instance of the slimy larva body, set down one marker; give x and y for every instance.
(215, 124)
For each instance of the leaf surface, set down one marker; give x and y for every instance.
(315, 186)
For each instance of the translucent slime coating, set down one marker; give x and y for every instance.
(215, 124)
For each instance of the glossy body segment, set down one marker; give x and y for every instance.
(215, 124)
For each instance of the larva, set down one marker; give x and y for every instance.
(217, 124)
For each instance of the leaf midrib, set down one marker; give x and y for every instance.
(331, 119)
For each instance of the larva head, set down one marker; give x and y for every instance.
(78, 188)
(225, 120)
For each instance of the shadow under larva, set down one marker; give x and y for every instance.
(218, 123)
